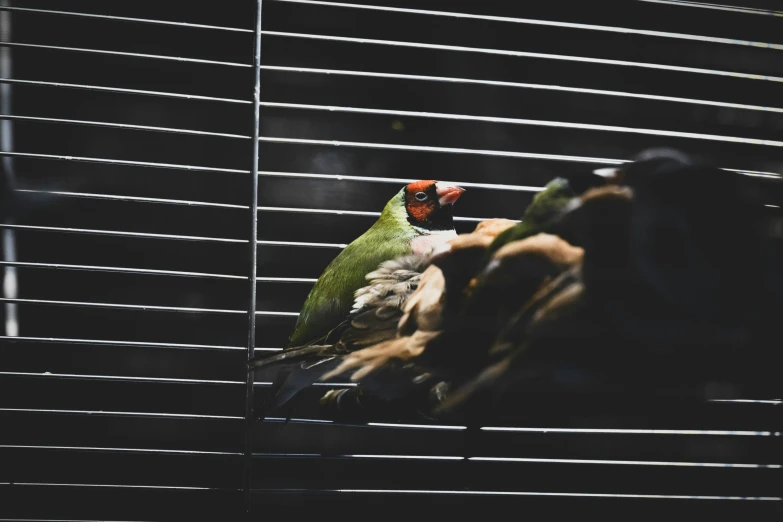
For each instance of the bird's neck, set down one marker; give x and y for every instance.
(441, 219)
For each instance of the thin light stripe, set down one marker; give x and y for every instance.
(120, 233)
(455, 150)
(626, 462)
(397, 181)
(117, 197)
(120, 450)
(152, 308)
(497, 83)
(129, 486)
(122, 413)
(109, 161)
(508, 154)
(634, 431)
(423, 426)
(104, 342)
(525, 54)
(122, 91)
(142, 271)
(549, 494)
(124, 126)
(189, 203)
(516, 493)
(126, 19)
(718, 7)
(165, 380)
(523, 121)
(124, 53)
(550, 23)
(522, 459)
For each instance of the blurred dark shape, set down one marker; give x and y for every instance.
(676, 294)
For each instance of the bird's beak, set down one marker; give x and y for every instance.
(609, 173)
(448, 194)
(612, 175)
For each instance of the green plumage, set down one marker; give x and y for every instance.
(545, 205)
(331, 299)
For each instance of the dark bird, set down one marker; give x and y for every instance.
(678, 290)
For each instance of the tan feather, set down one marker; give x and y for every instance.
(424, 308)
(554, 249)
(375, 357)
(493, 227)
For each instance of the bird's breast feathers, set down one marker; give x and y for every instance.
(427, 240)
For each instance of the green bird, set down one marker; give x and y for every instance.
(546, 205)
(414, 221)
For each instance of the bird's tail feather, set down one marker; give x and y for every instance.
(287, 356)
(299, 367)
(296, 380)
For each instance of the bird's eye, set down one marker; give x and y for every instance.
(420, 196)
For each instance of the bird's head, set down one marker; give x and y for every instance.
(645, 161)
(428, 204)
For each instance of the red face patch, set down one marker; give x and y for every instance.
(421, 199)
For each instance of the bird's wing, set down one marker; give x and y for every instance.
(377, 310)
(331, 298)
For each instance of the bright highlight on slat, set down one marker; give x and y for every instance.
(522, 121)
(123, 126)
(146, 235)
(122, 162)
(406, 457)
(114, 486)
(301, 244)
(719, 7)
(123, 53)
(510, 154)
(125, 19)
(123, 413)
(304, 421)
(168, 380)
(104, 342)
(455, 150)
(90, 195)
(550, 23)
(626, 462)
(142, 271)
(188, 203)
(152, 308)
(396, 181)
(633, 431)
(118, 450)
(119, 90)
(755, 401)
(122, 233)
(524, 54)
(120, 306)
(548, 494)
(536, 86)
(422, 426)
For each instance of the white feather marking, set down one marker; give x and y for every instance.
(425, 243)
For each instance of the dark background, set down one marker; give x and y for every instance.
(155, 398)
